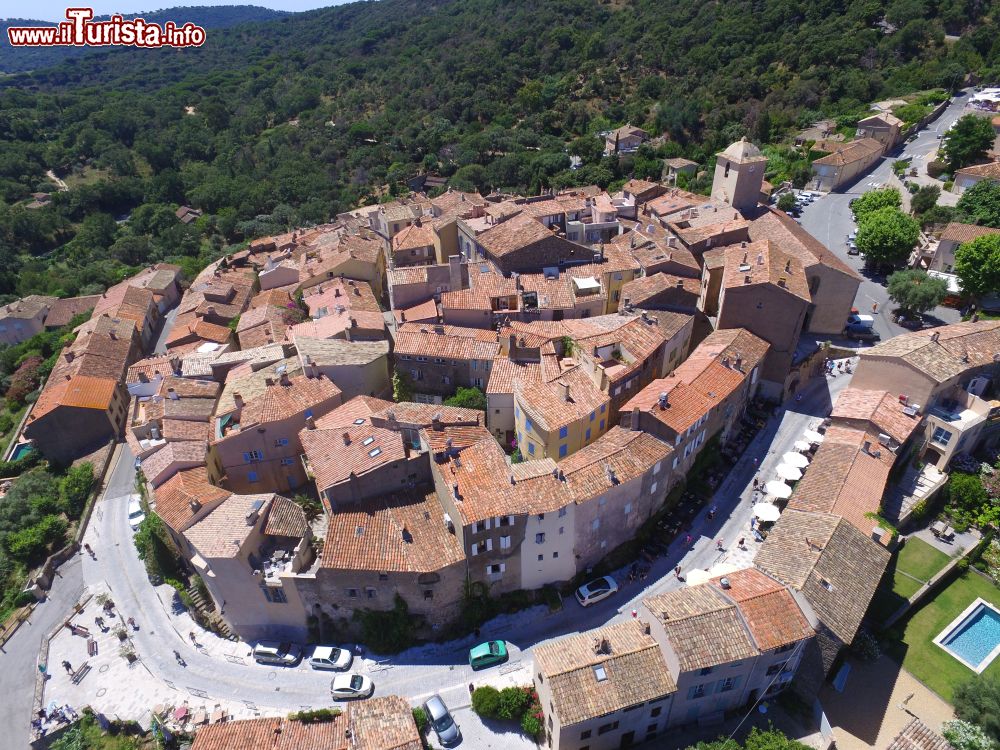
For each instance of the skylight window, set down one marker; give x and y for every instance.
(368, 441)
(359, 420)
(374, 452)
(599, 673)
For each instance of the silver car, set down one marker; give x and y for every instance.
(440, 718)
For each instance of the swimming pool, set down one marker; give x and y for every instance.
(974, 636)
(21, 450)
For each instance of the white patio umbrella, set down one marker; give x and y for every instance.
(779, 490)
(697, 576)
(812, 436)
(802, 445)
(795, 459)
(723, 569)
(766, 512)
(788, 473)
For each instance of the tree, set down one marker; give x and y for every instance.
(75, 487)
(968, 141)
(787, 201)
(977, 701)
(977, 265)
(468, 398)
(886, 236)
(873, 200)
(980, 204)
(311, 507)
(513, 702)
(965, 736)
(916, 292)
(925, 199)
(486, 702)
(402, 386)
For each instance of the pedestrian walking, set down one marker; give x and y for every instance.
(755, 462)
(718, 545)
(677, 572)
(687, 541)
(875, 308)
(711, 512)
(192, 637)
(741, 543)
(756, 483)
(67, 666)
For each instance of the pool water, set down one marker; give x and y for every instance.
(976, 637)
(21, 450)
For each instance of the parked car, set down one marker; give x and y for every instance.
(596, 591)
(330, 657)
(136, 515)
(440, 718)
(350, 686)
(852, 248)
(487, 654)
(281, 654)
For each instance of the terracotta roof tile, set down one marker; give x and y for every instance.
(333, 460)
(989, 171)
(957, 232)
(282, 400)
(173, 500)
(763, 263)
(881, 409)
(64, 310)
(399, 532)
(943, 352)
(918, 736)
(850, 152)
(347, 414)
(792, 239)
(662, 290)
(768, 608)
(513, 234)
(632, 671)
(452, 342)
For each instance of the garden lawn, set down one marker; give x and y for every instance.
(920, 559)
(929, 663)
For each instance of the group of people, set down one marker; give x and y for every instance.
(58, 715)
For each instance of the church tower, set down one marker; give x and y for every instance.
(739, 174)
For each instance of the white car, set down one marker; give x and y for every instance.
(347, 686)
(280, 654)
(135, 514)
(596, 591)
(330, 657)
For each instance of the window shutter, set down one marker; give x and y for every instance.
(488, 523)
(503, 567)
(510, 520)
(475, 549)
(489, 545)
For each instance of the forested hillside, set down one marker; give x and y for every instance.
(293, 120)
(20, 59)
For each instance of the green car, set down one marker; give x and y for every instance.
(487, 654)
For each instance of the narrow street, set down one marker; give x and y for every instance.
(829, 219)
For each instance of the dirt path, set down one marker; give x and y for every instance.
(63, 187)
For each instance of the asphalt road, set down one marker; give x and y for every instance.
(829, 219)
(18, 658)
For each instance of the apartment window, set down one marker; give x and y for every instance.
(489, 545)
(676, 461)
(563, 432)
(309, 412)
(585, 734)
(287, 461)
(628, 508)
(527, 425)
(562, 511)
(474, 550)
(555, 555)
(510, 520)
(352, 593)
(775, 668)
(605, 728)
(604, 408)
(656, 467)
(505, 542)
(705, 671)
(540, 538)
(727, 684)
(651, 729)
(652, 488)
(371, 592)
(602, 423)
(252, 456)
(251, 476)
(656, 712)
(602, 502)
(496, 569)
(592, 415)
(428, 594)
(383, 576)
(587, 437)
(596, 524)
(696, 691)
(562, 529)
(541, 557)
(531, 449)
(563, 450)
(281, 442)
(941, 436)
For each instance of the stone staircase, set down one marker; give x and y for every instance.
(206, 613)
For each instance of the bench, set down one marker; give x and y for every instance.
(80, 673)
(91, 647)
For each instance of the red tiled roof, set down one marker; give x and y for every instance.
(181, 497)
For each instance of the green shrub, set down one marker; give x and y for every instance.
(963, 565)
(420, 719)
(32, 543)
(75, 489)
(513, 702)
(531, 725)
(388, 632)
(486, 702)
(6, 422)
(936, 168)
(316, 716)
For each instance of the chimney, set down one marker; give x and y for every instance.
(739, 364)
(455, 272)
(172, 394)
(564, 387)
(725, 362)
(436, 421)
(439, 330)
(357, 291)
(112, 335)
(70, 355)
(512, 347)
(788, 266)
(194, 505)
(662, 400)
(724, 582)
(680, 283)
(935, 336)
(268, 381)
(347, 438)
(760, 259)
(238, 400)
(336, 291)
(635, 419)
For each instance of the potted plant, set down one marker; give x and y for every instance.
(127, 653)
(121, 632)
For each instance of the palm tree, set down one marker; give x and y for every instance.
(311, 507)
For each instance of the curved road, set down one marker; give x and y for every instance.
(436, 667)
